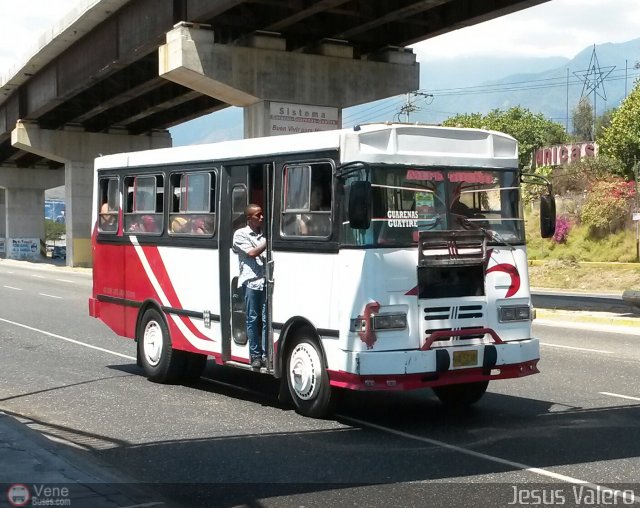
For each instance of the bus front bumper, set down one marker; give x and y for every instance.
(409, 370)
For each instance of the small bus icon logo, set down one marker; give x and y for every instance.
(18, 495)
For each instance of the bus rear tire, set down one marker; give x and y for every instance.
(160, 362)
(307, 377)
(461, 395)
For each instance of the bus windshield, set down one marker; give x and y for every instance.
(407, 200)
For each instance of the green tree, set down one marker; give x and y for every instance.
(603, 122)
(53, 230)
(621, 140)
(583, 120)
(531, 130)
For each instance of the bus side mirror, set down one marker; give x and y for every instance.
(547, 216)
(360, 202)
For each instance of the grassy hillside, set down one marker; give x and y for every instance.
(583, 263)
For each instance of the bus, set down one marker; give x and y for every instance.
(395, 259)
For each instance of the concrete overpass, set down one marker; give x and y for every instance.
(113, 75)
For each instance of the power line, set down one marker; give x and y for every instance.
(378, 110)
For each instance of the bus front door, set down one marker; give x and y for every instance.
(242, 185)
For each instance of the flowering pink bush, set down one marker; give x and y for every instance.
(563, 225)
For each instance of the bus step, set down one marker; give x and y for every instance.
(246, 366)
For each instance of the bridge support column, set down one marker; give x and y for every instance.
(78, 183)
(77, 150)
(3, 224)
(260, 71)
(22, 210)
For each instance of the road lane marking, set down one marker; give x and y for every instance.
(578, 348)
(146, 505)
(11, 287)
(66, 280)
(594, 327)
(38, 276)
(434, 442)
(518, 465)
(49, 296)
(619, 396)
(72, 341)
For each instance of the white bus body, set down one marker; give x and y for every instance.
(411, 270)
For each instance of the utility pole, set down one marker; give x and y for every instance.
(410, 106)
(636, 213)
(567, 125)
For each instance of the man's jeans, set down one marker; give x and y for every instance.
(254, 301)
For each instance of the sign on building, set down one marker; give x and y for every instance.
(285, 118)
(564, 154)
(23, 248)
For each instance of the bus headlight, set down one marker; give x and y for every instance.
(389, 321)
(514, 313)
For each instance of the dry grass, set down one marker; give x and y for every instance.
(588, 277)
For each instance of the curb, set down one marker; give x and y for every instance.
(44, 265)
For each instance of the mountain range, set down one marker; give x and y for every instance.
(552, 86)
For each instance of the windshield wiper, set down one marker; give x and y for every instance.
(496, 237)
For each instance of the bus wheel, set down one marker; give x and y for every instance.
(195, 364)
(160, 362)
(461, 395)
(307, 378)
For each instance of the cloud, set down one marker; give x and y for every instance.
(22, 24)
(554, 28)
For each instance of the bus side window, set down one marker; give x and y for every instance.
(192, 203)
(145, 194)
(109, 207)
(307, 201)
(238, 205)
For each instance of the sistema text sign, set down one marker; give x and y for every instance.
(565, 154)
(295, 118)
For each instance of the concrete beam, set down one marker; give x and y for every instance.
(242, 76)
(31, 178)
(69, 145)
(77, 150)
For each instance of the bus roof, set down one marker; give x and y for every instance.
(390, 143)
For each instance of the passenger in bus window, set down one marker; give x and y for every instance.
(146, 224)
(180, 225)
(250, 244)
(108, 218)
(198, 226)
(316, 224)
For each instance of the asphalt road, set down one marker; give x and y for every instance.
(226, 441)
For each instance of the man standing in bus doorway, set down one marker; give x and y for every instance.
(250, 244)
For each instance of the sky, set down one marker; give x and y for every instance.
(555, 28)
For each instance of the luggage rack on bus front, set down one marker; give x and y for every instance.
(444, 248)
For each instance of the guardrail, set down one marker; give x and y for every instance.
(567, 300)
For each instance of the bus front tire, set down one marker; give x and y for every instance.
(307, 378)
(160, 362)
(461, 395)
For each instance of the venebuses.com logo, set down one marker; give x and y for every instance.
(18, 495)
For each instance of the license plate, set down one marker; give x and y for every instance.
(465, 358)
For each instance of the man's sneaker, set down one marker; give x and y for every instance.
(256, 362)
